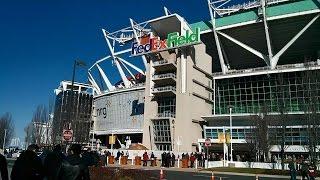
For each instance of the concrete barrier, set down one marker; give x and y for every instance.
(236, 164)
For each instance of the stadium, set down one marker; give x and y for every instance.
(203, 79)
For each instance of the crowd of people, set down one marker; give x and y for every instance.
(53, 164)
(307, 169)
(74, 165)
(169, 159)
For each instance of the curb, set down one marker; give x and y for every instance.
(202, 171)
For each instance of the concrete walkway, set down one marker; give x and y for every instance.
(197, 171)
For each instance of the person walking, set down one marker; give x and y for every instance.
(187, 157)
(292, 168)
(192, 159)
(168, 159)
(199, 156)
(304, 170)
(312, 171)
(3, 168)
(173, 160)
(145, 158)
(163, 157)
(28, 166)
(118, 156)
(152, 158)
(75, 159)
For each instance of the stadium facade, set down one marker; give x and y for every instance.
(261, 54)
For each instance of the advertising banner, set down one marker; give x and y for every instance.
(120, 112)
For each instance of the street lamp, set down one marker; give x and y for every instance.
(231, 148)
(75, 64)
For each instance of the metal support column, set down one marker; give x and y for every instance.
(213, 21)
(266, 29)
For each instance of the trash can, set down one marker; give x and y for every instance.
(124, 160)
(110, 159)
(185, 163)
(137, 160)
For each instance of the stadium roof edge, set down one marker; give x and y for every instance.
(277, 11)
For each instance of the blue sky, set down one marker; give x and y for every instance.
(39, 40)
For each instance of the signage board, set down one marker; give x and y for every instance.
(67, 135)
(112, 139)
(119, 112)
(149, 44)
(207, 142)
(224, 137)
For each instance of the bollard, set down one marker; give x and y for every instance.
(196, 166)
(220, 178)
(212, 176)
(107, 162)
(132, 161)
(178, 163)
(161, 174)
(257, 177)
(120, 160)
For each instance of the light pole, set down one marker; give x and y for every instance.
(231, 148)
(71, 108)
(4, 139)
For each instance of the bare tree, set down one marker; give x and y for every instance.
(311, 88)
(39, 121)
(6, 124)
(29, 138)
(261, 136)
(281, 96)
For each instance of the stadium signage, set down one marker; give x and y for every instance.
(174, 40)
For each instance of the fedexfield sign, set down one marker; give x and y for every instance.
(174, 40)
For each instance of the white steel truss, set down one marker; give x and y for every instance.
(266, 30)
(218, 7)
(221, 6)
(224, 68)
(246, 47)
(275, 58)
(117, 40)
(105, 78)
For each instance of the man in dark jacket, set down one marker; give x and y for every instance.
(168, 159)
(173, 159)
(75, 159)
(163, 157)
(3, 167)
(28, 166)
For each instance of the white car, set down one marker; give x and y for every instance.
(16, 154)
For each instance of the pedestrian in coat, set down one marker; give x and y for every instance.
(28, 166)
(312, 171)
(173, 160)
(163, 157)
(292, 168)
(3, 168)
(168, 159)
(75, 159)
(145, 158)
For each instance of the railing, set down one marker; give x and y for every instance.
(164, 88)
(279, 67)
(120, 88)
(166, 115)
(246, 5)
(167, 75)
(164, 61)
